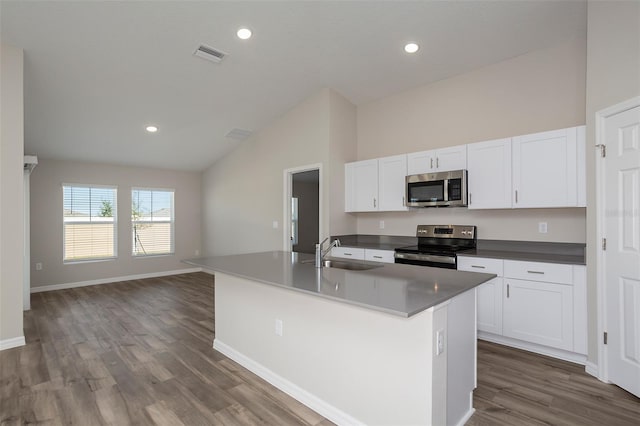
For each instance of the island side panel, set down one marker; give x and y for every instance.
(351, 364)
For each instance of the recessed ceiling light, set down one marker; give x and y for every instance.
(244, 33)
(411, 47)
(152, 129)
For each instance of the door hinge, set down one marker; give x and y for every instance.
(604, 244)
(603, 150)
(605, 337)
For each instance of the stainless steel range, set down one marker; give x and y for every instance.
(438, 245)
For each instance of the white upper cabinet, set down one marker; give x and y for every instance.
(375, 185)
(361, 189)
(545, 169)
(489, 174)
(437, 160)
(391, 182)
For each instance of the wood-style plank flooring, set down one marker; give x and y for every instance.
(139, 352)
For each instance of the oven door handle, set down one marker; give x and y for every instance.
(426, 258)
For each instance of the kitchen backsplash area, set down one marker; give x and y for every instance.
(561, 224)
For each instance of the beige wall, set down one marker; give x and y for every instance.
(11, 192)
(46, 220)
(243, 193)
(542, 90)
(613, 75)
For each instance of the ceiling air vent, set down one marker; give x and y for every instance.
(209, 53)
(239, 134)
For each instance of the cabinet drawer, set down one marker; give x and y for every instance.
(536, 271)
(480, 264)
(348, 252)
(379, 255)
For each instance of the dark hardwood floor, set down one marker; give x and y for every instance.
(139, 352)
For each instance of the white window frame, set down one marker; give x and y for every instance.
(65, 222)
(172, 223)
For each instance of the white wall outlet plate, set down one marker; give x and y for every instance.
(279, 326)
(382, 224)
(275, 224)
(39, 266)
(542, 227)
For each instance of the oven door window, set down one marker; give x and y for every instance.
(421, 192)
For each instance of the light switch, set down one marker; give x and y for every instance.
(275, 224)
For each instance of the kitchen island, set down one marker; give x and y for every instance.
(387, 344)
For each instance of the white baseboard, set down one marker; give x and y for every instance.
(466, 417)
(318, 405)
(533, 347)
(12, 343)
(592, 368)
(112, 280)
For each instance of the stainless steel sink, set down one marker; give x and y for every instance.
(352, 266)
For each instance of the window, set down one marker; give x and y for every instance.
(152, 221)
(89, 217)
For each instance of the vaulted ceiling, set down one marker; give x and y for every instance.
(98, 72)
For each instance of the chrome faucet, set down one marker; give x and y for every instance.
(320, 254)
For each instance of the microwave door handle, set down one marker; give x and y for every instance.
(446, 190)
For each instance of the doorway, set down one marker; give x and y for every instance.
(618, 265)
(302, 208)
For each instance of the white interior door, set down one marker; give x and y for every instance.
(622, 255)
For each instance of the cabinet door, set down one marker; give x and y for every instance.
(489, 174)
(454, 158)
(545, 169)
(490, 306)
(421, 162)
(361, 186)
(538, 312)
(391, 182)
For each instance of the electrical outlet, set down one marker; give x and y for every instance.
(279, 326)
(39, 266)
(439, 342)
(382, 224)
(542, 227)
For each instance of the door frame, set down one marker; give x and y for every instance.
(601, 293)
(288, 190)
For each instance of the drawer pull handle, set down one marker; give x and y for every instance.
(536, 272)
(478, 266)
(507, 291)
(347, 254)
(378, 257)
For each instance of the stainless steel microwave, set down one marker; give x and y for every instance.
(442, 189)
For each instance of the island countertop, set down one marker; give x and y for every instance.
(397, 289)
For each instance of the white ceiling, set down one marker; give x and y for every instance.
(96, 73)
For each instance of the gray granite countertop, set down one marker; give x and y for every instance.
(530, 251)
(402, 290)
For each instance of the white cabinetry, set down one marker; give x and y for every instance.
(542, 307)
(532, 171)
(545, 169)
(358, 253)
(437, 160)
(386, 256)
(348, 252)
(391, 182)
(489, 174)
(489, 294)
(361, 186)
(375, 185)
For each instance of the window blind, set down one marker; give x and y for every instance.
(152, 221)
(89, 222)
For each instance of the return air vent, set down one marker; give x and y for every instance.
(209, 53)
(239, 134)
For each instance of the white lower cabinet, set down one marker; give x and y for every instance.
(532, 305)
(538, 312)
(348, 252)
(357, 253)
